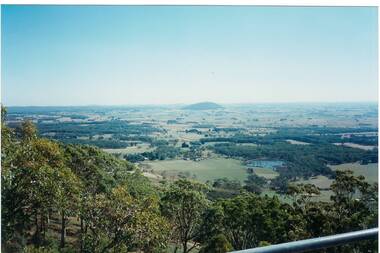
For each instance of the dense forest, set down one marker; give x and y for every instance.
(91, 132)
(314, 135)
(59, 197)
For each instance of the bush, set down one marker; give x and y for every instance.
(217, 244)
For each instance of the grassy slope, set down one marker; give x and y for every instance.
(265, 172)
(369, 171)
(204, 170)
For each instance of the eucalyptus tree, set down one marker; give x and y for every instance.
(184, 204)
(118, 221)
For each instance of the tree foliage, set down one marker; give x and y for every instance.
(184, 203)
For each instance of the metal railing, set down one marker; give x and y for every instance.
(316, 243)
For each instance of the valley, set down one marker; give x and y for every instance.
(280, 143)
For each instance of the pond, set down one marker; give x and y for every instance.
(270, 164)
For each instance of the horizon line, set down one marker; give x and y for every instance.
(179, 104)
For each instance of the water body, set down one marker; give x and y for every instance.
(269, 164)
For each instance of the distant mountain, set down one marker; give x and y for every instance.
(203, 106)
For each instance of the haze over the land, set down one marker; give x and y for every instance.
(80, 55)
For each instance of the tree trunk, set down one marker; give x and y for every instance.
(81, 235)
(184, 247)
(63, 230)
(43, 227)
(37, 235)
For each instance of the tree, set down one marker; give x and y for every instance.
(98, 172)
(302, 193)
(33, 179)
(7, 134)
(35, 196)
(27, 131)
(353, 201)
(184, 204)
(226, 183)
(151, 230)
(35, 183)
(14, 221)
(217, 244)
(254, 183)
(248, 219)
(68, 198)
(119, 221)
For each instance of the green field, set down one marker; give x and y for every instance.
(267, 173)
(321, 182)
(297, 142)
(208, 169)
(140, 148)
(369, 171)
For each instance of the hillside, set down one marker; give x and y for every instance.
(203, 106)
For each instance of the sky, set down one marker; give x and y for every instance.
(123, 55)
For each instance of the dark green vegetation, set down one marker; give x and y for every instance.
(203, 106)
(162, 152)
(124, 133)
(60, 197)
(86, 129)
(313, 135)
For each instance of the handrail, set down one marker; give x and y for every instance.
(316, 243)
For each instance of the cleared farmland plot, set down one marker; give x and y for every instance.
(321, 182)
(369, 171)
(265, 172)
(140, 148)
(208, 169)
(297, 142)
(354, 145)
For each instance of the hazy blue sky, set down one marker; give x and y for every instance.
(78, 55)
